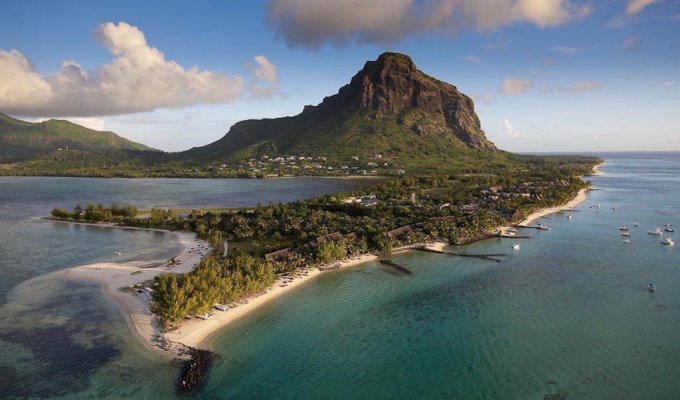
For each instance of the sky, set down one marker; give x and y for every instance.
(545, 75)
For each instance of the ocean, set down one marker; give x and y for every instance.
(567, 316)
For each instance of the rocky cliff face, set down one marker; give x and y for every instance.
(393, 86)
(389, 108)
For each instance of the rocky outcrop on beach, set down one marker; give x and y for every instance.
(194, 371)
(195, 363)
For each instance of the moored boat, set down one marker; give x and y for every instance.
(515, 247)
(626, 241)
(656, 231)
(651, 287)
(626, 233)
(667, 241)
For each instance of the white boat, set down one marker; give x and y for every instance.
(515, 247)
(623, 228)
(569, 216)
(669, 230)
(667, 241)
(220, 307)
(626, 241)
(656, 232)
(614, 208)
(626, 234)
(651, 287)
(635, 224)
(118, 253)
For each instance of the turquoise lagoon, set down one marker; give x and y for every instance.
(568, 316)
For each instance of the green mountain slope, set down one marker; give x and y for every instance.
(20, 140)
(389, 108)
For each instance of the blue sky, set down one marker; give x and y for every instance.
(546, 75)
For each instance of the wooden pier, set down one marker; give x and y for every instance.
(488, 257)
(396, 266)
(516, 236)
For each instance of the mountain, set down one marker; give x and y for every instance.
(21, 140)
(388, 108)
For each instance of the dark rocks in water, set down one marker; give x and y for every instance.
(560, 395)
(194, 372)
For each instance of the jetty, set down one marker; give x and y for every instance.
(396, 266)
(488, 257)
(194, 371)
(540, 228)
(515, 236)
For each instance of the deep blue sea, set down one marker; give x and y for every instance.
(568, 316)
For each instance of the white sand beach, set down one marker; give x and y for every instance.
(113, 276)
(580, 197)
(196, 332)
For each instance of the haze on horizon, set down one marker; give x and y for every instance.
(546, 75)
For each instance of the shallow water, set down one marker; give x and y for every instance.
(568, 315)
(62, 339)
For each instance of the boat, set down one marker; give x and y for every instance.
(118, 253)
(515, 247)
(626, 233)
(614, 208)
(626, 241)
(569, 216)
(669, 230)
(656, 231)
(651, 287)
(667, 241)
(221, 307)
(635, 224)
(623, 228)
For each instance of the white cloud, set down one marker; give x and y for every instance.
(311, 23)
(514, 86)
(576, 88)
(670, 83)
(264, 69)
(265, 74)
(138, 79)
(636, 6)
(510, 130)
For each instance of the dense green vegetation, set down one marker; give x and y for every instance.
(282, 238)
(20, 140)
(215, 280)
(97, 213)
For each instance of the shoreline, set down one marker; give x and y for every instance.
(580, 197)
(198, 333)
(113, 276)
(596, 169)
